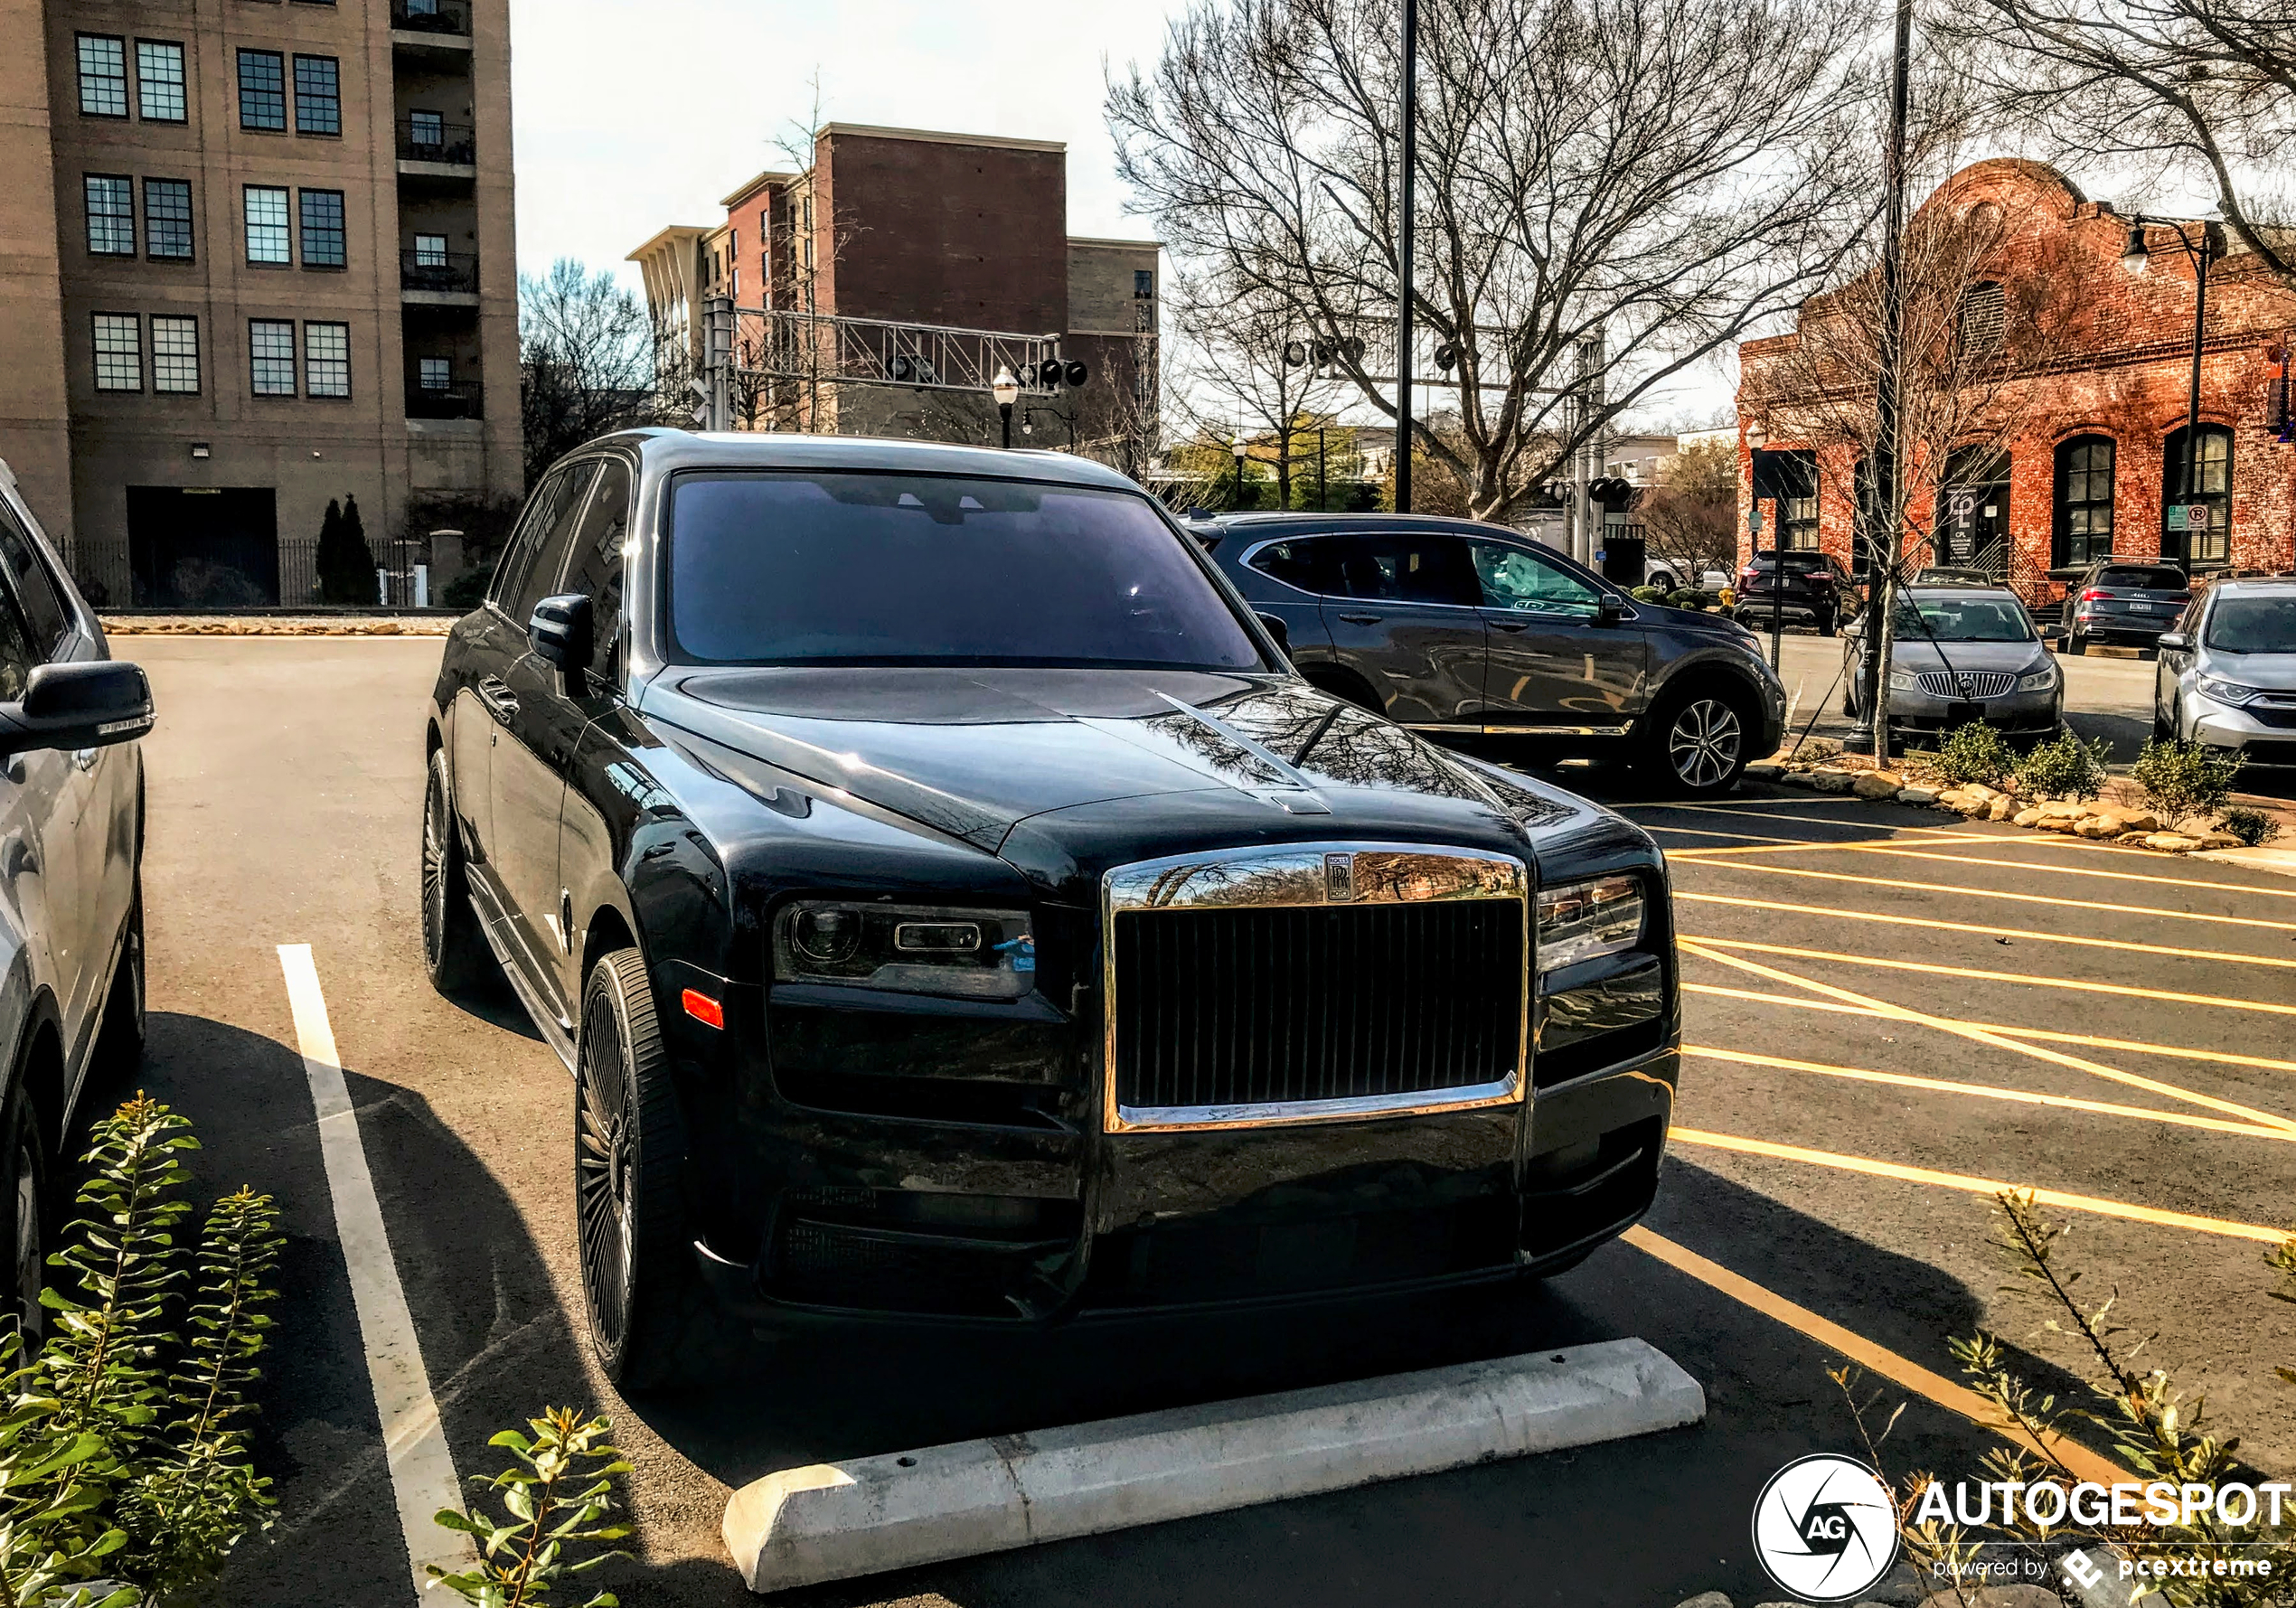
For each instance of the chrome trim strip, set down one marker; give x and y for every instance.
(1474, 731)
(561, 1041)
(1302, 874)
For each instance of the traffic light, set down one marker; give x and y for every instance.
(1610, 492)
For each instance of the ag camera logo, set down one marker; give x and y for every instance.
(1825, 1527)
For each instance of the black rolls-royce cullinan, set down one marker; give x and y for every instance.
(953, 907)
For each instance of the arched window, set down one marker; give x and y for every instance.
(2202, 479)
(2084, 524)
(1983, 311)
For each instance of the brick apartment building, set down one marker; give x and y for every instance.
(256, 256)
(2099, 451)
(920, 227)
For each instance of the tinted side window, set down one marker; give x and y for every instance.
(17, 656)
(540, 579)
(1308, 565)
(1513, 577)
(44, 610)
(593, 568)
(518, 552)
(1407, 569)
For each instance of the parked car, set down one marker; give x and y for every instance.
(2227, 674)
(72, 908)
(1945, 574)
(952, 906)
(1452, 627)
(2127, 603)
(1958, 654)
(1673, 575)
(1794, 587)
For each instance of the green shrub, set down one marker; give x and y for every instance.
(466, 591)
(2181, 780)
(1648, 594)
(2064, 767)
(2252, 827)
(554, 1499)
(1975, 752)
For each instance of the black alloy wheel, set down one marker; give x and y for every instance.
(453, 952)
(1699, 744)
(24, 1181)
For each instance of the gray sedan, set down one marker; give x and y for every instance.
(1963, 653)
(2226, 675)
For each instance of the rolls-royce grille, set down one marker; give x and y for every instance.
(1966, 683)
(1268, 1005)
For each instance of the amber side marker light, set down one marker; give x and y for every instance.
(703, 1008)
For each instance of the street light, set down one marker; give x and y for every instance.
(2136, 257)
(1006, 389)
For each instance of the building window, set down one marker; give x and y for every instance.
(270, 348)
(267, 225)
(175, 355)
(103, 76)
(431, 250)
(1983, 310)
(120, 352)
(426, 130)
(326, 360)
(168, 220)
(2084, 502)
(2214, 493)
(322, 233)
(263, 90)
(318, 96)
(159, 81)
(435, 373)
(1143, 284)
(111, 215)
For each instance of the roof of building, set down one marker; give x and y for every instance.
(938, 137)
(1086, 240)
(771, 176)
(677, 233)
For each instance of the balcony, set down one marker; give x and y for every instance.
(431, 17)
(439, 278)
(460, 399)
(427, 139)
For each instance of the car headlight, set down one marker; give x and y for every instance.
(2040, 680)
(917, 949)
(1581, 921)
(2231, 693)
(1903, 681)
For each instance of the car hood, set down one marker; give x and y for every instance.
(1918, 653)
(2273, 671)
(1057, 770)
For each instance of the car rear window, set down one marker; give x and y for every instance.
(2253, 625)
(1804, 561)
(2144, 578)
(863, 568)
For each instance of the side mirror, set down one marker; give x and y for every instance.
(560, 632)
(91, 704)
(1275, 628)
(2174, 642)
(1611, 610)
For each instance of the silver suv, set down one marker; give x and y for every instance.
(2226, 675)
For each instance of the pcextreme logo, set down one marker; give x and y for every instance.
(1825, 1527)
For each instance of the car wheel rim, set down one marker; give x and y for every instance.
(28, 1311)
(1703, 745)
(602, 1175)
(434, 869)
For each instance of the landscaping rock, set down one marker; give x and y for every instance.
(2170, 842)
(1980, 790)
(1798, 778)
(2025, 817)
(1996, 1597)
(1876, 784)
(2220, 840)
(1916, 795)
(2133, 837)
(2048, 823)
(2067, 809)
(1833, 781)
(1974, 807)
(2096, 826)
(1705, 1599)
(2000, 809)
(1761, 770)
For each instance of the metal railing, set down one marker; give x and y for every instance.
(119, 574)
(460, 399)
(431, 17)
(421, 140)
(438, 271)
(778, 344)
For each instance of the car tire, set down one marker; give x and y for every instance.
(454, 952)
(1695, 744)
(653, 1323)
(23, 1186)
(2164, 729)
(119, 1037)
(2076, 644)
(1825, 625)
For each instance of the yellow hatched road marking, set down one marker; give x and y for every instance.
(2075, 985)
(2224, 1058)
(1980, 1186)
(1995, 893)
(2222, 955)
(1874, 1358)
(1894, 846)
(1766, 844)
(1992, 1091)
(1979, 1035)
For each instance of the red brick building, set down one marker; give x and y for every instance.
(2100, 442)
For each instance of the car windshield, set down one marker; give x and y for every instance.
(2148, 580)
(1792, 561)
(1960, 619)
(2253, 625)
(861, 568)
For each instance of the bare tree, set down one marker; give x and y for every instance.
(2179, 90)
(1247, 365)
(1609, 191)
(1690, 517)
(586, 361)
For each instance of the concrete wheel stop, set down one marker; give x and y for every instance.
(835, 1521)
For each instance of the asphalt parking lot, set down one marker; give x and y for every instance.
(1885, 1013)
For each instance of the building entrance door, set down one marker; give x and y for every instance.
(1973, 515)
(204, 546)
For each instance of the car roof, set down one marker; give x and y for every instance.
(1956, 589)
(2270, 586)
(1326, 523)
(668, 450)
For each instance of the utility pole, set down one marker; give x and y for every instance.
(1403, 310)
(718, 349)
(1322, 491)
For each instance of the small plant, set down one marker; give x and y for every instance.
(2181, 780)
(2252, 827)
(1974, 752)
(521, 1560)
(1646, 595)
(2064, 767)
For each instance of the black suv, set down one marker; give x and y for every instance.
(1794, 587)
(952, 906)
(1452, 627)
(2128, 602)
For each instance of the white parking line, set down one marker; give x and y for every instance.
(422, 1469)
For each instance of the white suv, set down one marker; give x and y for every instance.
(2227, 674)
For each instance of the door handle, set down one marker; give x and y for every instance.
(1361, 619)
(495, 694)
(1512, 627)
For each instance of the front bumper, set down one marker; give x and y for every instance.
(2223, 726)
(2012, 713)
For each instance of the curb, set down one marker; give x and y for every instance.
(802, 1527)
(264, 625)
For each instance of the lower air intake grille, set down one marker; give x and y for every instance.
(1236, 1007)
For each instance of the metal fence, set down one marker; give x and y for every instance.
(425, 139)
(431, 17)
(438, 271)
(286, 574)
